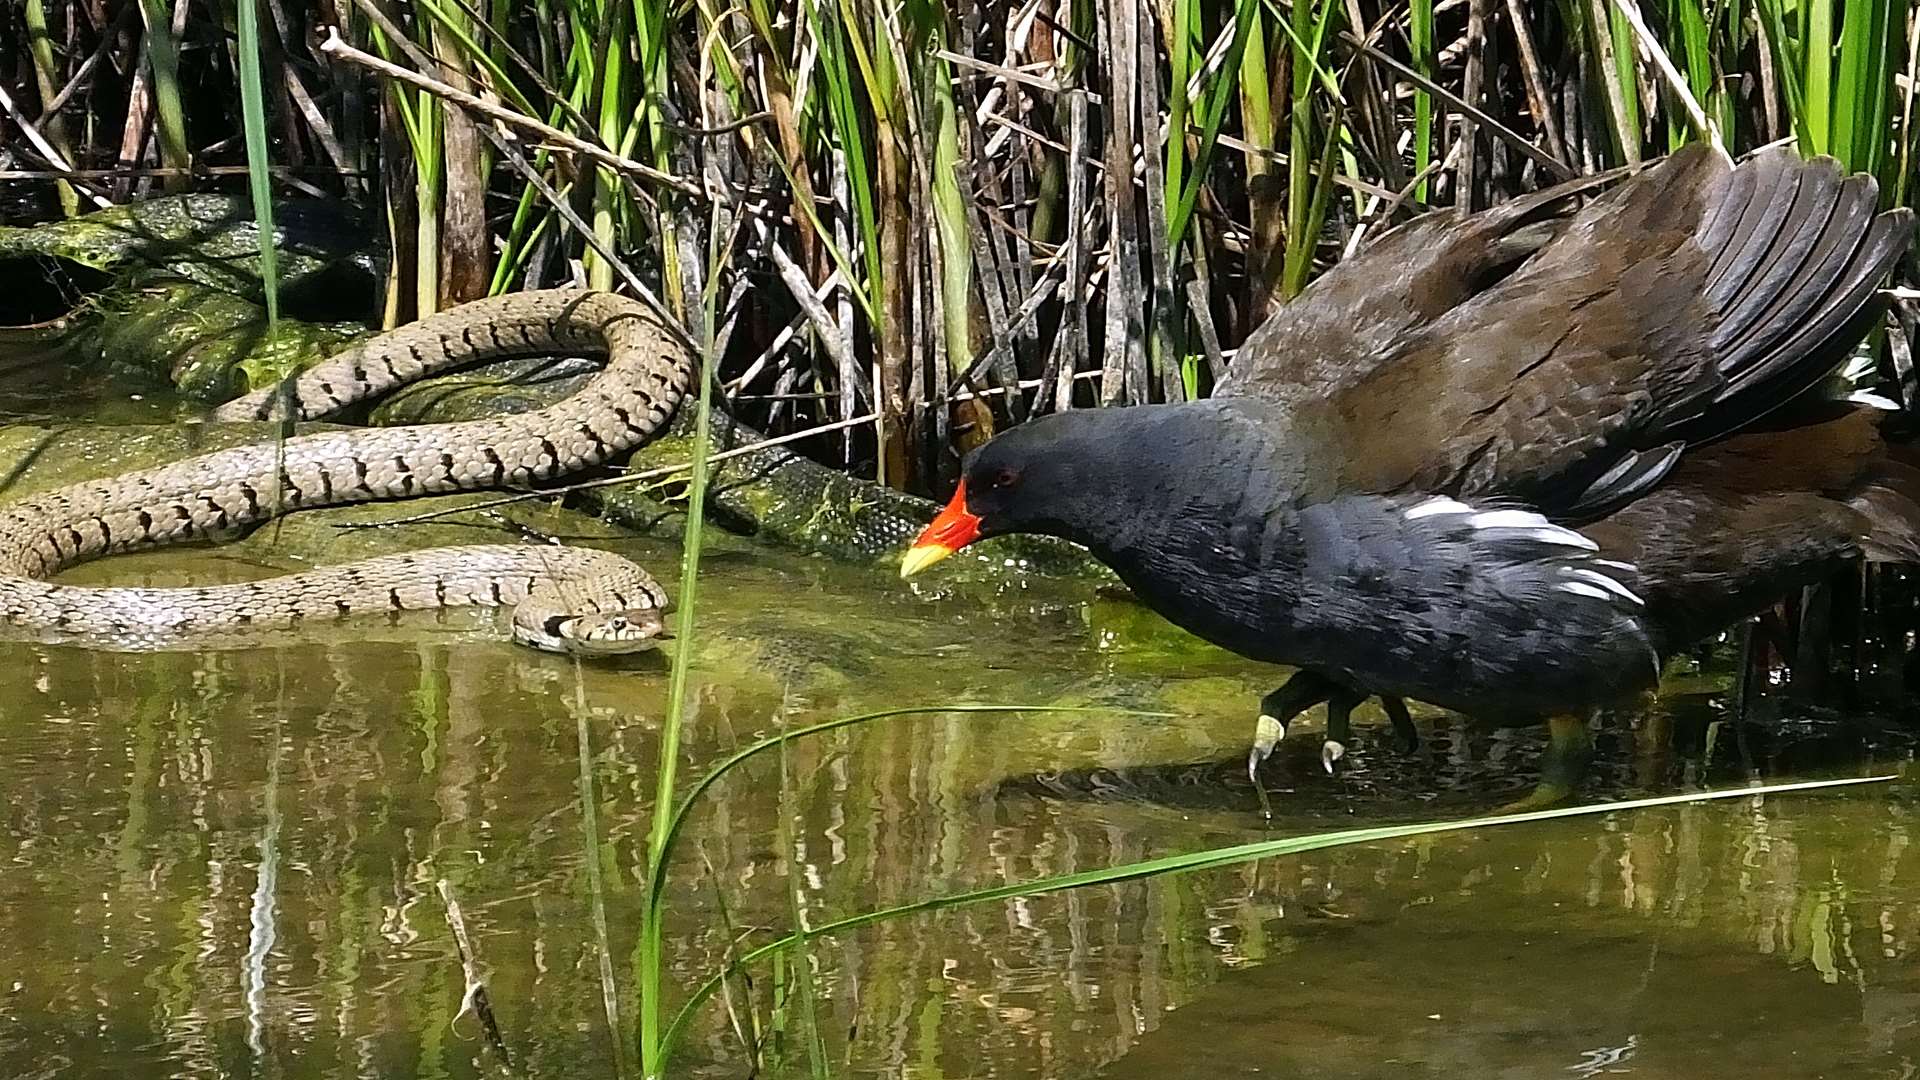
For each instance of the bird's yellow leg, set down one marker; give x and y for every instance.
(1569, 746)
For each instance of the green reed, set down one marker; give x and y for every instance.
(917, 174)
(254, 119)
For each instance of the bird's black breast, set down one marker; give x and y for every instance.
(1498, 613)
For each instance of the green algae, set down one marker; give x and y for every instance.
(208, 344)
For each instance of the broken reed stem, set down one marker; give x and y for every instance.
(1675, 81)
(1559, 169)
(46, 150)
(334, 46)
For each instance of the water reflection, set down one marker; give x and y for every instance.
(224, 864)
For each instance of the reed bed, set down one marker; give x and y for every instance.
(948, 217)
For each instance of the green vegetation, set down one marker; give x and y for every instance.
(942, 219)
(910, 215)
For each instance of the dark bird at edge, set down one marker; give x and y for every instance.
(1504, 462)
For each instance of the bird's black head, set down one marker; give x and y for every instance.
(1093, 476)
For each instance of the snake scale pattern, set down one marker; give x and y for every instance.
(564, 599)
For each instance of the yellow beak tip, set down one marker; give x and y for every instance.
(921, 556)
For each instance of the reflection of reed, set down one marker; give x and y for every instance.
(141, 796)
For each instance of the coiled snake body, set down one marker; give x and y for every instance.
(564, 598)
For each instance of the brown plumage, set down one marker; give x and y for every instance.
(1743, 521)
(1685, 304)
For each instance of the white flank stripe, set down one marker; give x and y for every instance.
(1873, 401)
(1526, 523)
(1439, 504)
(1506, 519)
(1582, 589)
(1533, 526)
(1615, 565)
(1573, 539)
(1605, 582)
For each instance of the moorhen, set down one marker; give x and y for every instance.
(1504, 462)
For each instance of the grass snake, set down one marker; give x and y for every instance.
(564, 599)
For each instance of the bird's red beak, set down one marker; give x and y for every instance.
(954, 529)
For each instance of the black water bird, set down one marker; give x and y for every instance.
(1504, 462)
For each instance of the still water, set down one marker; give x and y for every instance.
(226, 863)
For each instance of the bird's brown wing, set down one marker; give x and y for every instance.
(1683, 305)
(1359, 314)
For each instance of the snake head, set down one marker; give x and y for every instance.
(596, 633)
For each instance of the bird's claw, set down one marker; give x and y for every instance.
(1331, 751)
(1267, 733)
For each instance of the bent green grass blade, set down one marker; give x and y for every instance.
(714, 775)
(1213, 859)
(253, 118)
(655, 1048)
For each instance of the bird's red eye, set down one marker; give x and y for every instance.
(1004, 478)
